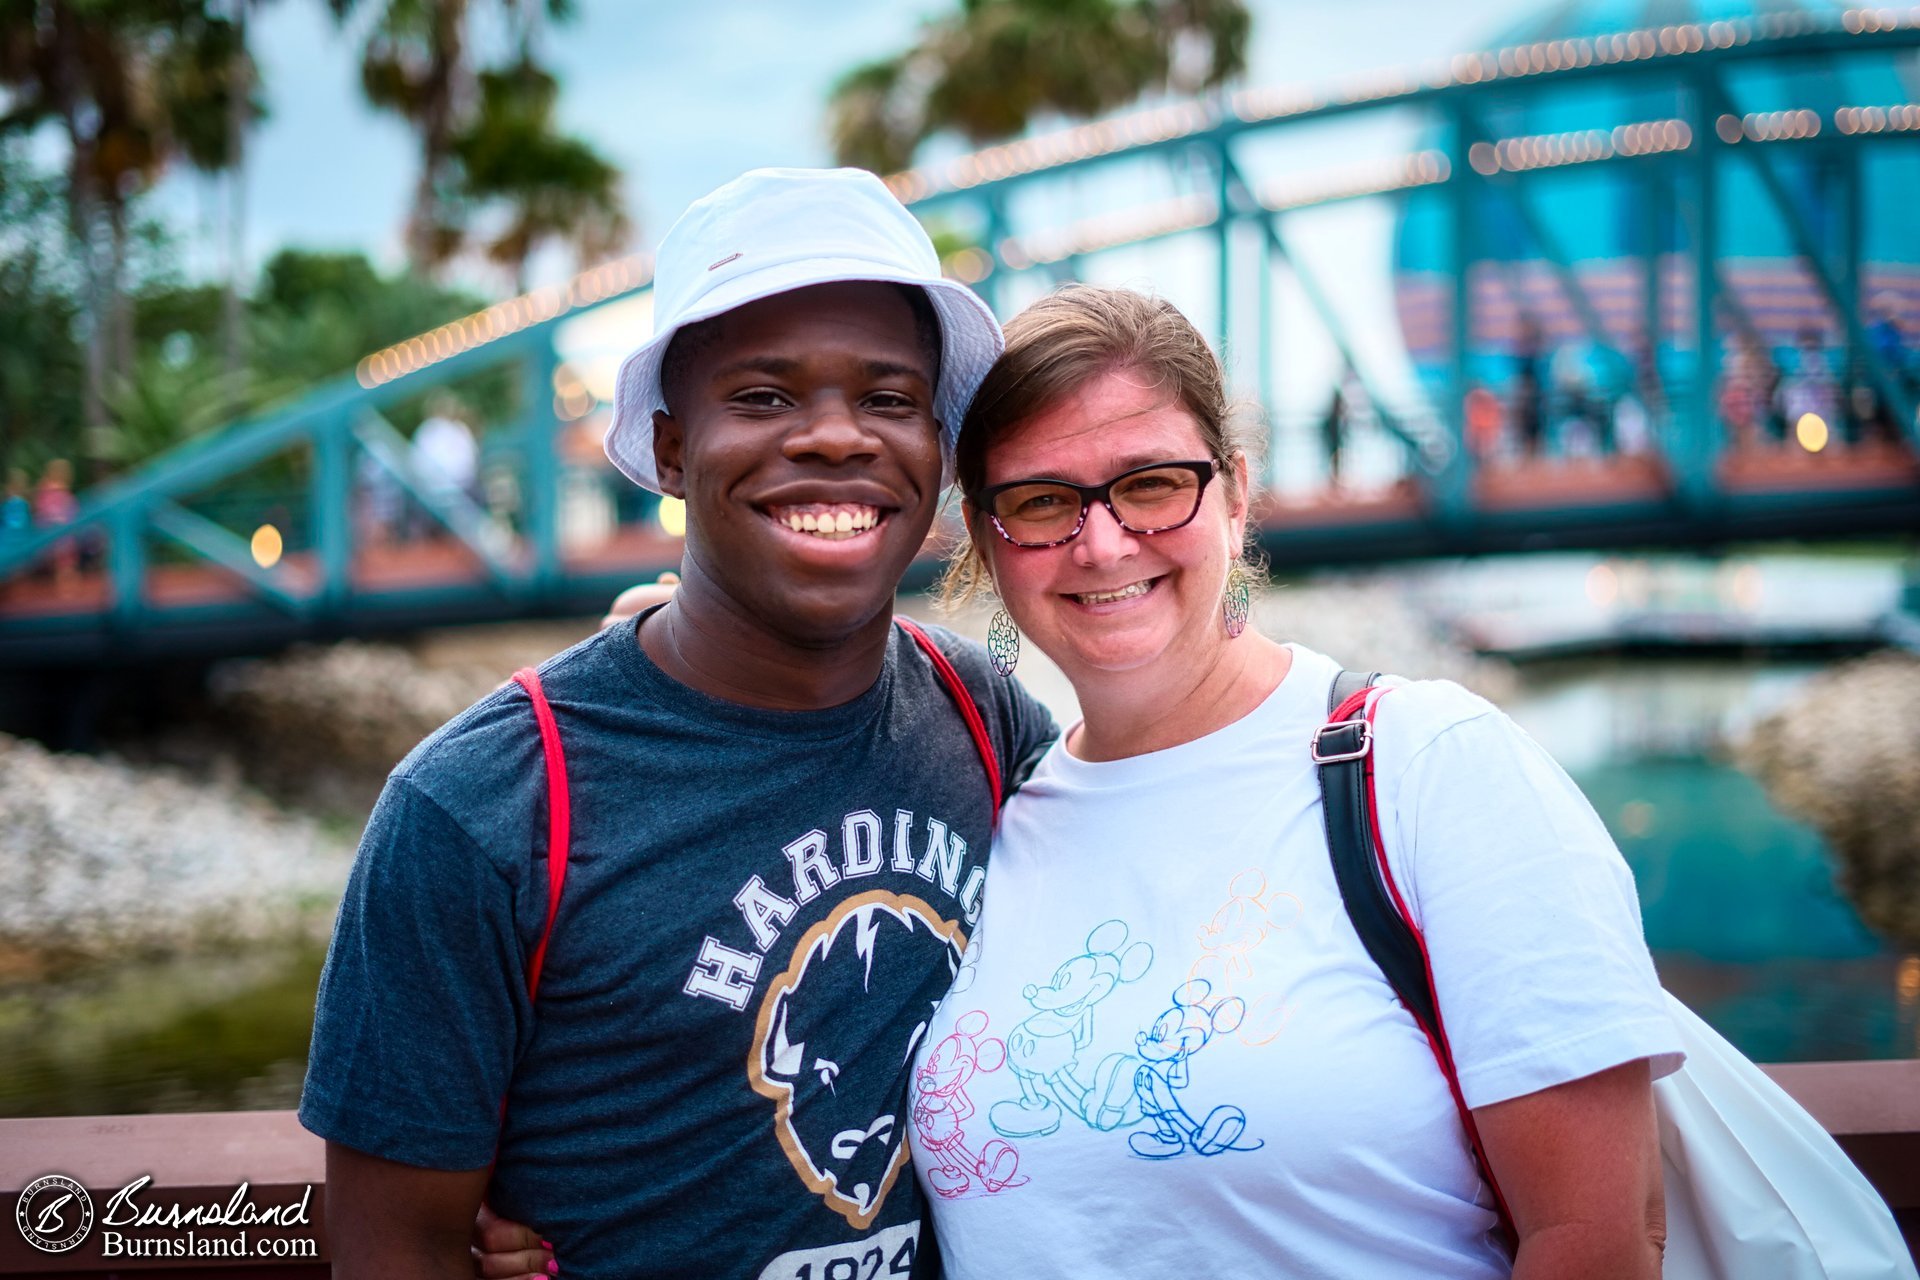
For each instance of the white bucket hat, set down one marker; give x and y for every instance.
(775, 230)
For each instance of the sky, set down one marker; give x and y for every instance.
(684, 96)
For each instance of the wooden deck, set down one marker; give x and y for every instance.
(1872, 1108)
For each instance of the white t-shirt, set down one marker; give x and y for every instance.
(1168, 1054)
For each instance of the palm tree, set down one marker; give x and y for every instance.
(548, 185)
(990, 69)
(211, 85)
(418, 63)
(115, 79)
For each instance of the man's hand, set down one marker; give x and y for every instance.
(504, 1250)
(637, 598)
(387, 1219)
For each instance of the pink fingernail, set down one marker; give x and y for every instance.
(553, 1268)
(547, 1245)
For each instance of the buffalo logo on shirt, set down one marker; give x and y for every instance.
(835, 1069)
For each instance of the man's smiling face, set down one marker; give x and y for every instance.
(801, 433)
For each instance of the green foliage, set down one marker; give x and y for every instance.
(312, 317)
(871, 122)
(989, 70)
(105, 354)
(40, 355)
(201, 72)
(316, 314)
(162, 402)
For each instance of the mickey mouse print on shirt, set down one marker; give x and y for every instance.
(941, 1106)
(1165, 1049)
(1045, 1050)
(1091, 1045)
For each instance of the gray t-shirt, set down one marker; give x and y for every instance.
(761, 911)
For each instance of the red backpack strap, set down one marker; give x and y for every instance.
(1343, 751)
(559, 817)
(969, 709)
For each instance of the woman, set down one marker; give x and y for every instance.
(1167, 1052)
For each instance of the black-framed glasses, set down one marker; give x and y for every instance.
(1044, 512)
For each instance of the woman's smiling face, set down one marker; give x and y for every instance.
(1112, 601)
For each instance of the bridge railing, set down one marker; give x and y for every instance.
(340, 436)
(1421, 471)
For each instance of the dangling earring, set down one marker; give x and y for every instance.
(1003, 643)
(1237, 602)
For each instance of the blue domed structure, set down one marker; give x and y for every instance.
(1604, 224)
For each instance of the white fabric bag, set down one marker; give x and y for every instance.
(1756, 1189)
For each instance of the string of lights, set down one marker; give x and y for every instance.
(1581, 146)
(1109, 231)
(1768, 126)
(1421, 169)
(1189, 119)
(1902, 118)
(504, 319)
(1253, 106)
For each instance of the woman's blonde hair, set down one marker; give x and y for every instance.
(1065, 341)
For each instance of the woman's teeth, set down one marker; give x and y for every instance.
(1108, 597)
(829, 520)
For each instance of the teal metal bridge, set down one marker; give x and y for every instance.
(1634, 209)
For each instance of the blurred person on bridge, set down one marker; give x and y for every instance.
(53, 505)
(1889, 343)
(380, 506)
(1744, 393)
(1337, 421)
(1528, 411)
(1641, 405)
(776, 813)
(1486, 420)
(1810, 390)
(446, 456)
(16, 508)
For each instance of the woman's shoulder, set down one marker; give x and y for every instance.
(1442, 725)
(1430, 708)
(1417, 710)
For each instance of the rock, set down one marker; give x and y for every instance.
(1366, 622)
(320, 726)
(102, 860)
(1845, 757)
(1363, 621)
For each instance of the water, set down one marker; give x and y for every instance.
(1739, 903)
(206, 1033)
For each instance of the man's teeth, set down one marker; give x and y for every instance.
(829, 520)
(1108, 597)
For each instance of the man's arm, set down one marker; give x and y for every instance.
(415, 1026)
(386, 1219)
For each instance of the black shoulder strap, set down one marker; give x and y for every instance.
(1350, 839)
(1343, 752)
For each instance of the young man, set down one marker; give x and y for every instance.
(779, 817)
